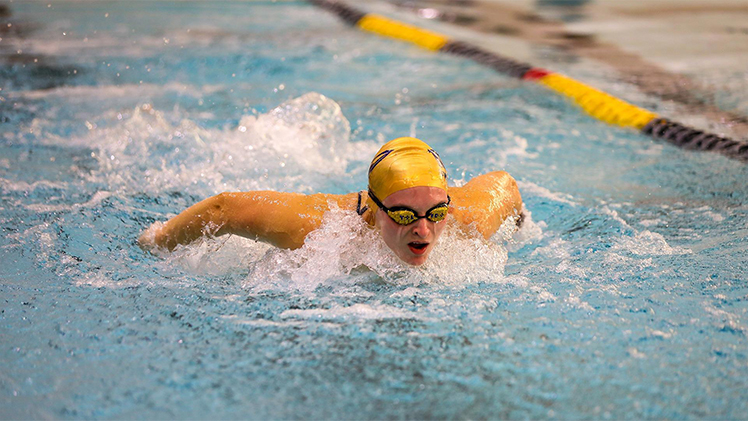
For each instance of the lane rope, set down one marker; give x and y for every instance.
(594, 102)
(393, 29)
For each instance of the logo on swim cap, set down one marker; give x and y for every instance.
(436, 155)
(403, 163)
(377, 159)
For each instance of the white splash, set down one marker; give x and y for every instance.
(529, 232)
(94, 201)
(355, 311)
(647, 243)
(300, 143)
(311, 130)
(346, 251)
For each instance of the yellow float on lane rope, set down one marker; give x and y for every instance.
(393, 29)
(599, 104)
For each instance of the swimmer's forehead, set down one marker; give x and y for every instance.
(417, 197)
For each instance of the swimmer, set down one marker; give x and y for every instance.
(407, 201)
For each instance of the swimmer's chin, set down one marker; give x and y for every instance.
(420, 262)
(417, 261)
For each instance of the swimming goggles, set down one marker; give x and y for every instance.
(406, 216)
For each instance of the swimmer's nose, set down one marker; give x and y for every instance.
(421, 228)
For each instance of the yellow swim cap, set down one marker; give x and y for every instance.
(403, 163)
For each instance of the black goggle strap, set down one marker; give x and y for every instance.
(376, 201)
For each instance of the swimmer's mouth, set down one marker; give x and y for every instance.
(417, 247)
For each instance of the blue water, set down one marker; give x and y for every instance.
(623, 297)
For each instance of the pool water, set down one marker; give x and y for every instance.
(624, 295)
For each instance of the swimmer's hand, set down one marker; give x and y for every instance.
(201, 219)
(147, 240)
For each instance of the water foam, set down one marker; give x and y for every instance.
(514, 239)
(215, 256)
(345, 251)
(357, 311)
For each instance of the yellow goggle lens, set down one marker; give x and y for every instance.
(402, 217)
(438, 213)
(407, 216)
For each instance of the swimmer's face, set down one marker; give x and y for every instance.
(412, 243)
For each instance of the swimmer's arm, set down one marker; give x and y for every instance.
(486, 201)
(280, 219)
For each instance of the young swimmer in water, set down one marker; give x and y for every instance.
(408, 201)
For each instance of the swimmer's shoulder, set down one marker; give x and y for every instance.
(314, 206)
(492, 181)
(323, 201)
(486, 201)
(485, 187)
